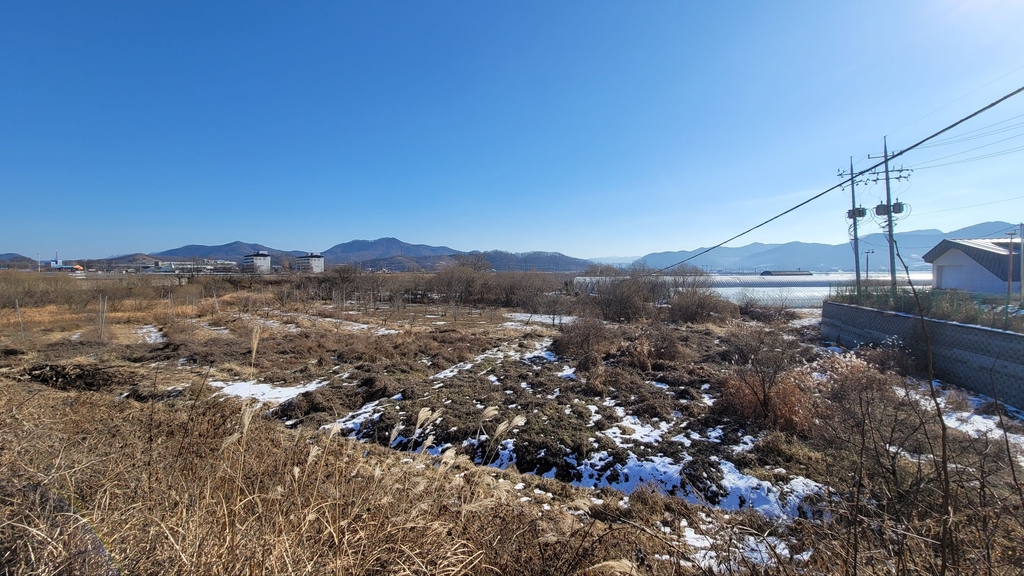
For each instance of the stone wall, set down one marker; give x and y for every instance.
(981, 359)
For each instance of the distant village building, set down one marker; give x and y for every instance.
(223, 266)
(59, 265)
(980, 265)
(258, 262)
(312, 263)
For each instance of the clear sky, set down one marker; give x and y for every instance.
(591, 128)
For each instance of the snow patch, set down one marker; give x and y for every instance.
(264, 392)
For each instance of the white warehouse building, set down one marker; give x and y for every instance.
(258, 262)
(312, 263)
(981, 265)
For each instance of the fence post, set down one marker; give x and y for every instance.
(21, 325)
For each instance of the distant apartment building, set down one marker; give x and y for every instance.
(312, 263)
(258, 263)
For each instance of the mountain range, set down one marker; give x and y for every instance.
(386, 253)
(825, 257)
(393, 254)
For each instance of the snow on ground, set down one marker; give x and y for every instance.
(542, 319)
(968, 421)
(598, 471)
(359, 327)
(765, 550)
(351, 423)
(746, 443)
(631, 430)
(340, 324)
(217, 329)
(811, 317)
(264, 392)
(151, 334)
(507, 351)
(270, 323)
(775, 502)
(567, 372)
(506, 454)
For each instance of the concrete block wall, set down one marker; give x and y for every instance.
(984, 360)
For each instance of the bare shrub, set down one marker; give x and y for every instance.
(769, 314)
(630, 298)
(457, 286)
(892, 357)
(784, 405)
(761, 388)
(654, 346)
(519, 289)
(880, 434)
(583, 337)
(694, 300)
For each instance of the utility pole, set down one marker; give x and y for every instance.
(887, 210)
(888, 213)
(853, 214)
(867, 264)
(1009, 279)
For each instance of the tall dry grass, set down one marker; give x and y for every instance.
(92, 484)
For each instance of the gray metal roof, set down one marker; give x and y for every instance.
(992, 254)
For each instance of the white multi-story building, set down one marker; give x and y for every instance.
(258, 262)
(312, 263)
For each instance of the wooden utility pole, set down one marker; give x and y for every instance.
(854, 215)
(888, 215)
(1009, 278)
(888, 209)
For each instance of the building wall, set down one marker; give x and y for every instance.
(310, 265)
(955, 270)
(258, 264)
(984, 360)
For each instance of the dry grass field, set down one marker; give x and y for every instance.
(478, 424)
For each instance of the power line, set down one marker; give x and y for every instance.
(965, 138)
(973, 206)
(968, 150)
(974, 159)
(978, 129)
(853, 176)
(957, 100)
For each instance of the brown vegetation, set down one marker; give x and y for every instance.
(115, 457)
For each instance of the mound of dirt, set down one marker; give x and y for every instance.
(82, 376)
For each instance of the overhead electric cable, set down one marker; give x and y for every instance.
(852, 177)
(957, 100)
(972, 159)
(968, 150)
(1003, 121)
(974, 206)
(964, 138)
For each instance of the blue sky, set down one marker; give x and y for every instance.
(590, 128)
